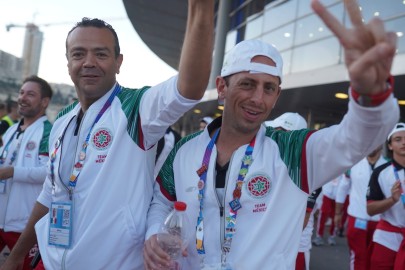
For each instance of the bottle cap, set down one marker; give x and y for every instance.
(180, 206)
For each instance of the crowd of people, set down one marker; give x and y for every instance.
(90, 190)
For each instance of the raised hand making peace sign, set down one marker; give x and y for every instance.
(369, 49)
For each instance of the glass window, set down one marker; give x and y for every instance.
(281, 38)
(316, 55)
(254, 27)
(230, 40)
(397, 26)
(304, 6)
(381, 8)
(275, 16)
(312, 28)
(286, 61)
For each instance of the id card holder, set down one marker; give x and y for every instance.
(360, 224)
(60, 226)
(3, 186)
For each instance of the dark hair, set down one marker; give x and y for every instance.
(46, 90)
(388, 152)
(87, 22)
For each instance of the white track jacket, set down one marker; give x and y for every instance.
(115, 186)
(29, 173)
(286, 167)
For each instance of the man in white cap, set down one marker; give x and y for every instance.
(288, 121)
(386, 196)
(246, 186)
(205, 121)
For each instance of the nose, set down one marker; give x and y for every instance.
(89, 60)
(21, 96)
(257, 94)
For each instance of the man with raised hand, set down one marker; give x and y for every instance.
(91, 213)
(246, 186)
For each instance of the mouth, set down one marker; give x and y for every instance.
(252, 115)
(250, 111)
(89, 76)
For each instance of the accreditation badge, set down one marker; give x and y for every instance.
(360, 224)
(60, 227)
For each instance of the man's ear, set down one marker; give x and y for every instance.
(45, 102)
(221, 88)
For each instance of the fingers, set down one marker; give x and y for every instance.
(396, 190)
(376, 28)
(155, 258)
(354, 13)
(381, 55)
(329, 20)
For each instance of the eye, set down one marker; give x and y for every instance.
(246, 84)
(270, 88)
(76, 55)
(397, 139)
(101, 55)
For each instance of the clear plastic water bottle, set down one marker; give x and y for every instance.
(173, 236)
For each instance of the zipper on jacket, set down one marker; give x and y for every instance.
(10, 182)
(222, 205)
(63, 260)
(77, 130)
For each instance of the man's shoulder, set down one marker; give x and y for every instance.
(66, 110)
(377, 171)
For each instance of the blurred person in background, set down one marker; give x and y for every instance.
(360, 225)
(23, 161)
(385, 196)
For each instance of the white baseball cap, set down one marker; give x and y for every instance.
(206, 119)
(240, 57)
(398, 127)
(288, 121)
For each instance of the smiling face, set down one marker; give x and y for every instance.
(397, 144)
(31, 104)
(92, 62)
(248, 98)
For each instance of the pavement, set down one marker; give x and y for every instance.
(322, 257)
(328, 257)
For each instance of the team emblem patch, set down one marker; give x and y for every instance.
(258, 186)
(31, 145)
(102, 139)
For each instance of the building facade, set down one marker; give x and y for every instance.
(314, 70)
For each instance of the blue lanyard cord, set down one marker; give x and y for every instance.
(5, 149)
(202, 172)
(82, 155)
(395, 172)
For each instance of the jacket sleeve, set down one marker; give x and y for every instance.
(333, 150)
(343, 189)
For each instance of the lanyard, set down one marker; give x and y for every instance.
(15, 152)
(82, 155)
(397, 177)
(402, 184)
(235, 204)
